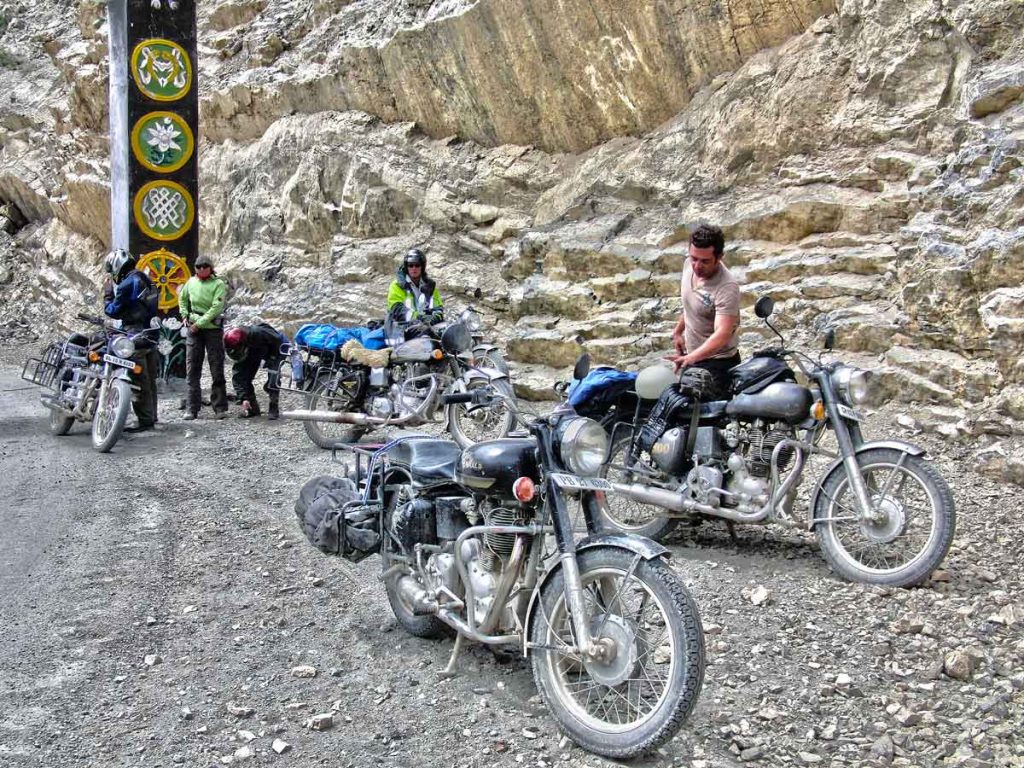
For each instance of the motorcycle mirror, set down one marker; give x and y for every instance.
(477, 293)
(764, 307)
(582, 367)
(830, 339)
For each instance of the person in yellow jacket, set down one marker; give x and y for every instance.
(413, 295)
(201, 303)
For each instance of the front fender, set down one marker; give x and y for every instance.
(483, 374)
(645, 548)
(898, 445)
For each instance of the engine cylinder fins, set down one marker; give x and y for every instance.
(762, 444)
(501, 543)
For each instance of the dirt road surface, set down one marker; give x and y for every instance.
(155, 603)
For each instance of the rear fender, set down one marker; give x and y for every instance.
(638, 545)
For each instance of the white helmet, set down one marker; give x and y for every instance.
(116, 262)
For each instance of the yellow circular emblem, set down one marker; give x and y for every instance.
(161, 69)
(164, 209)
(168, 271)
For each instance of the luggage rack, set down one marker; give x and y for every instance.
(310, 356)
(43, 370)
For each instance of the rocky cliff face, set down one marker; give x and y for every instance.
(864, 157)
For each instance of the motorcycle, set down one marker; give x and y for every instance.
(87, 378)
(881, 511)
(614, 637)
(403, 387)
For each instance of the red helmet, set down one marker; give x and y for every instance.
(234, 338)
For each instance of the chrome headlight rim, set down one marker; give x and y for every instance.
(472, 320)
(854, 385)
(122, 346)
(583, 446)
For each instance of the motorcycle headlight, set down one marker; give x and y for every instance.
(852, 384)
(472, 320)
(583, 446)
(122, 346)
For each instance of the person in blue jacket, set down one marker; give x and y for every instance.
(131, 297)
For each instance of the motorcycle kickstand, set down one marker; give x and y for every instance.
(731, 528)
(449, 671)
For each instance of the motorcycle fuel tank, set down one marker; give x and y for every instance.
(413, 351)
(783, 400)
(492, 466)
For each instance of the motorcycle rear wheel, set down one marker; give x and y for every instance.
(113, 402)
(334, 394)
(420, 626)
(59, 423)
(914, 529)
(635, 702)
(618, 514)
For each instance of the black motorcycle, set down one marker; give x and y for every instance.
(881, 511)
(614, 637)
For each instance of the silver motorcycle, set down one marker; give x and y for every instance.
(345, 398)
(87, 379)
(881, 511)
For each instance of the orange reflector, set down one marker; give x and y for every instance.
(438, 354)
(818, 410)
(94, 357)
(523, 489)
(137, 369)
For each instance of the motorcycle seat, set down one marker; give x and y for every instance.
(429, 461)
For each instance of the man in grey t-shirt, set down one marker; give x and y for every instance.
(705, 335)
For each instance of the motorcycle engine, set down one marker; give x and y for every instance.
(409, 390)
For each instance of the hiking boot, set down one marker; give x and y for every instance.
(139, 428)
(273, 414)
(220, 415)
(190, 416)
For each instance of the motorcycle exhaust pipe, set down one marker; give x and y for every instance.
(676, 502)
(418, 599)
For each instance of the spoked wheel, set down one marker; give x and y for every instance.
(616, 512)
(341, 392)
(638, 693)
(469, 424)
(59, 423)
(420, 626)
(113, 402)
(910, 528)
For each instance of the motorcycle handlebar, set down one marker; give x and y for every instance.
(457, 397)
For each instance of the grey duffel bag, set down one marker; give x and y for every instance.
(334, 521)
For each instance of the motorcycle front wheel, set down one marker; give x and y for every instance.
(338, 392)
(113, 402)
(638, 696)
(619, 514)
(469, 424)
(911, 528)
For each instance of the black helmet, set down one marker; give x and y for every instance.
(415, 257)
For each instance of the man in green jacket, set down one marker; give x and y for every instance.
(201, 302)
(413, 295)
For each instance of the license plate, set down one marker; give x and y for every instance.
(574, 483)
(114, 360)
(849, 413)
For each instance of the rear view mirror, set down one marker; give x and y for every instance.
(830, 339)
(582, 367)
(764, 307)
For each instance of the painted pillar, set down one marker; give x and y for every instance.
(162, 122)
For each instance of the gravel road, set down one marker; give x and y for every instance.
(161, 608)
